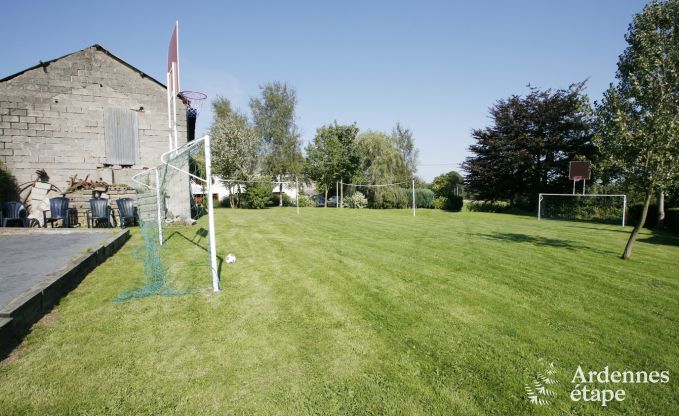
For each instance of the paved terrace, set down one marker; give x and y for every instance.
(38, 266)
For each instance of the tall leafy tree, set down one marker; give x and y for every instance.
(447, 184)
(332, 155)
(405, 142)
(381, 163)
(638, 118)
(221, 108)
(527, 148)
(274, 119)
(234, 145)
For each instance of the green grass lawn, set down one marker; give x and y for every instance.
(361, 312)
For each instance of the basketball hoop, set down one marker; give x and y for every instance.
(194, 101)
(578, 178)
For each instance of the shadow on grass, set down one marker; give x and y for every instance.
(200, 236)
(601, 227)
(662, 238)
(538, 241)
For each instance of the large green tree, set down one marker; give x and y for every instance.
(405, 143)
(235, 145)
(638, 118)
(382, 163)
(332, 155)
(274, 119)
(527, 148)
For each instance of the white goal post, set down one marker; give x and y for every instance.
(624, 201)
(160, 185)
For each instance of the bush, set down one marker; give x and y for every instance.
(287, 200)
(305, 201)
(487, 206)
(423, 197)
(672, 219)
(258, 196)
(9, 190)
(439, 202)
(356, 200)
(390, 197)
(454, 203)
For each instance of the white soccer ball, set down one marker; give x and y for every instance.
(230, 258)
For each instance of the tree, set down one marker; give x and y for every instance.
(234, 145)
(274, 119)
(221, 108)
(527, 148)
(638, 118)
(381, 163)
(448, 186)
(403, 138)
(332, 155)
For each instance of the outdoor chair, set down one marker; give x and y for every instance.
(58, 211)
(126, 211)
(12, 212)
(99, 213)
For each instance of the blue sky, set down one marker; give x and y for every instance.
(436, 67)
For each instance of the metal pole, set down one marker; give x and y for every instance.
(160, 219)
(297, 194)
(336, 194)
(540, 202)
(211, 216)
(174, 103)
(584, 182)
(624, 208)
(414, 203)
(169, 115)
(573, 186)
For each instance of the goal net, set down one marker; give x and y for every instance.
(165, 206)
(596, 208)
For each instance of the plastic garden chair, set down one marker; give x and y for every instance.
(99, 213)
(126, 211)
(11, 211)
(58, 211)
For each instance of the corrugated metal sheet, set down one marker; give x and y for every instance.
(121, 135)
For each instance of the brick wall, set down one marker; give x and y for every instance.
(51, 118)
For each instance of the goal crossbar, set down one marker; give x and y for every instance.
(624, 201)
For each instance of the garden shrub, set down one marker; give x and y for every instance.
(390, 197)
(454, 203)
(672, 219)
(439, 202)
(423, 197)
(258, 196)
(305, 201)
(487, 206)
(356, 200)
(287, 200)
(9, 190)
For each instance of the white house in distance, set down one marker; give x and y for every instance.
(221, 191)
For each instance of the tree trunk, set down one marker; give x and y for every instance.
(280, 194)
(632, 238)
(661, 210)
(325, 200)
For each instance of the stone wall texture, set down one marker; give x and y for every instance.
(51, 117)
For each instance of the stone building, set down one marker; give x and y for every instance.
(86, 113)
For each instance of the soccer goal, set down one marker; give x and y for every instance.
(586, 207)
(164, 199)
